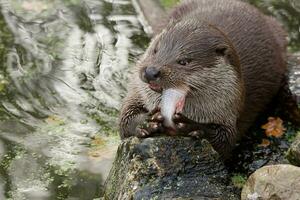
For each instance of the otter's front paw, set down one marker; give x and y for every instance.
(187, 127)
(152, 125)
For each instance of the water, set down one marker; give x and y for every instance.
(64, 66)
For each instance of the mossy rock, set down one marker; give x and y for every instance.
(293, 154)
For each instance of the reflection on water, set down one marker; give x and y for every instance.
(64, 64)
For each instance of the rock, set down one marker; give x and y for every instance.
(293, 154)
(167, 168)
(294, 75)
(274, 182)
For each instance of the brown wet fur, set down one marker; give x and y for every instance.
(234, 66)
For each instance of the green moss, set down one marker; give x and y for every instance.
(291, 133)
(72, 2)
(238, 180)
(290, 137)
(106, 127)
(3, 84)
(168, 3)
(13, 151)
(6, 39)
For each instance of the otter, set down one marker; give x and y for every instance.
(213, 68)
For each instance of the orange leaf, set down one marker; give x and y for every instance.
(274, 127)
(265, 143)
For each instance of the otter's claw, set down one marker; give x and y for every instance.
(197, 134)
(148, 130)
(142, 133)
(154, 111)
(157, 117)
(179, 118)
(185, 126)
(152, 125)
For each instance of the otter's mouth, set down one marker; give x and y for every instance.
(155, 87)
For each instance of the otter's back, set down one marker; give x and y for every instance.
(259, 41)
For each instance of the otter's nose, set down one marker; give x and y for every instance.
(152, 73)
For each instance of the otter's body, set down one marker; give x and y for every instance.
(227, 56)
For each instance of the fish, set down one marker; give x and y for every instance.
(172, 102)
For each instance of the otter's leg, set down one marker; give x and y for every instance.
(132, 114)
(135, 119)
(221, 137)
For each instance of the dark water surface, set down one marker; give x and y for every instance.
(63, 70)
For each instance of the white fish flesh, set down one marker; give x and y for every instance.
(172, 101)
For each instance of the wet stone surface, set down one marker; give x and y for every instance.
(166, 168)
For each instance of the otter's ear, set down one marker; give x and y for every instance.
(222, 50)
(225, 52)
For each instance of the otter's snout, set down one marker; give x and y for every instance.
(151, 74)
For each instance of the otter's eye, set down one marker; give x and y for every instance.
(184, 61)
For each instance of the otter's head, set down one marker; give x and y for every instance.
(189, 55)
